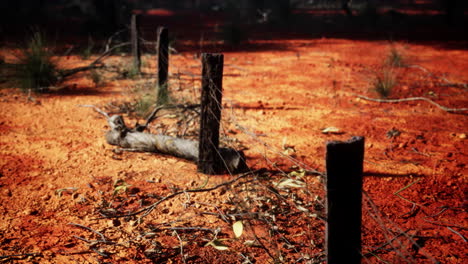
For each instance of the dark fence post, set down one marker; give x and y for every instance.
(162, 50)
(136, 53)
(209, 161)
(344, 162)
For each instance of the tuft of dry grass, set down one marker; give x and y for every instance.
(395, 58)
(384, 82)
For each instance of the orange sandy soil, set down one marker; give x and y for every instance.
(57, 169)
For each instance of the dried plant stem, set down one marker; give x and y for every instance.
(20, 255)
(104, 239)
(457, 233)
(181, 247)
(447, 82)
(397, 193)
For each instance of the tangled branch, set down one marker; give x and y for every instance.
(147, 210)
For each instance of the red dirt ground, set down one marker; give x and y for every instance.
(56, 168)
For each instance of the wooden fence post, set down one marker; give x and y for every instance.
(209, 161)
(136, 53)
(162, 50)
(344, 163)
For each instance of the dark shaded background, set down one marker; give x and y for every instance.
(240, 21)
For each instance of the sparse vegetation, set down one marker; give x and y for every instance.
(145, 99)
(384, 82)
(385, 79)
(144, 104)
(36, 68)
(395, 58)
(155, 208)
(131, 72)
(163, 95)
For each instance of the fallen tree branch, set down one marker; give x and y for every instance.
(109, 51)
(110, 39)
(450, 110)
(96, 64)
(120, 135)
(135, 140)
(66, 73)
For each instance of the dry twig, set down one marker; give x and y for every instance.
(447, 82)
(447, 109)
(104, 239)
(147, 210)
(20, 255)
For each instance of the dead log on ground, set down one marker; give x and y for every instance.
(129, 139)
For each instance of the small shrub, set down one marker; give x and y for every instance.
(384, 82)
(36, 68)
(145, 96)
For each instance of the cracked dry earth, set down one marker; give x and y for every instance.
(60, 183)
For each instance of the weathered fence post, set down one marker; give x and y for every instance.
(209, 161)
(344, 163)
(162, 50)
(136, 53)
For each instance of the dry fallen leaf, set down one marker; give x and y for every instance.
(238, 228)
(291, 183)
(332, 130)
(217, 245)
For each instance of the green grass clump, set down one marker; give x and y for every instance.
(36, 69)
(384, 82)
